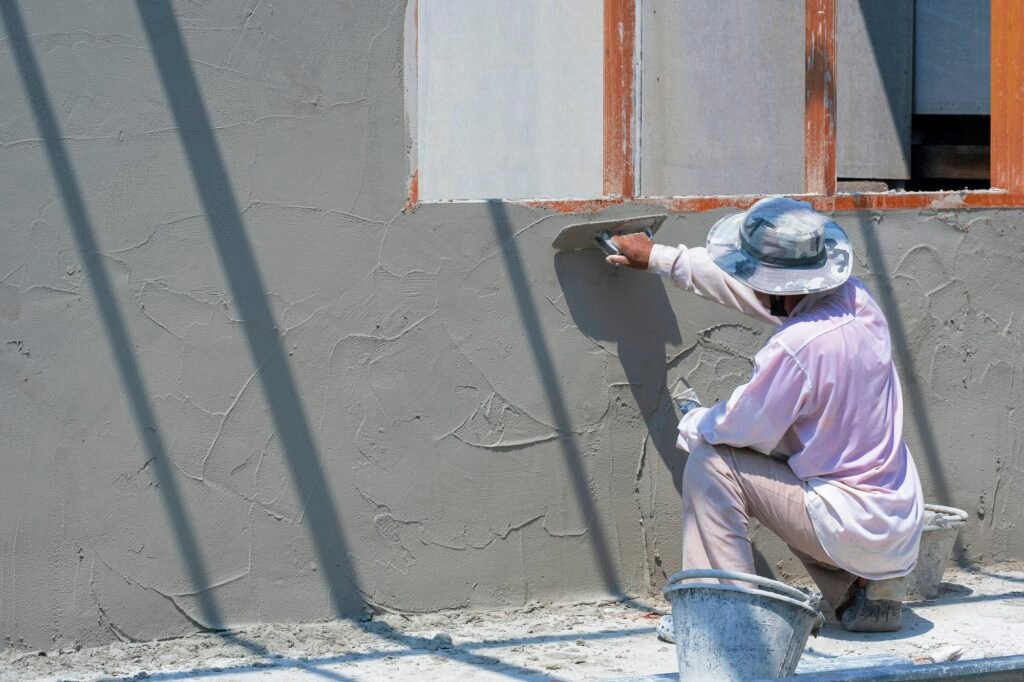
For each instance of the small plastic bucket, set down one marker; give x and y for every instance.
(941, 527)
(750, 628)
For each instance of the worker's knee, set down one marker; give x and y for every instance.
(705, 470)
(706, 484)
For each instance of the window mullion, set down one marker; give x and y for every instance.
(820, 98)
(619, 50)
(1007, 108)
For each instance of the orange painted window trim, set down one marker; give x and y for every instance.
(1007, 89)
(820, 97)
(413, 198)
(619, 49)
(872, 201)
(1007, 124)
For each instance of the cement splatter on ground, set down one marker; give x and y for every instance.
(979, 611)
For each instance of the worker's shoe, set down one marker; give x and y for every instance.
(665, 631)
(874, 607)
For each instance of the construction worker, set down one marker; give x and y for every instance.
(812, 445)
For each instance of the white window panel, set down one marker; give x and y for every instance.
(510, 99)
(722, 97)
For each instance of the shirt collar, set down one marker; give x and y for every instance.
(809, 301)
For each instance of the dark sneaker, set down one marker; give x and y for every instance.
(864, 614)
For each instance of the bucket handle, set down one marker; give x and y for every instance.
(945, 517)
(764, 583)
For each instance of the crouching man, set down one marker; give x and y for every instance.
(812, 445)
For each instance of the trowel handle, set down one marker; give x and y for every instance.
(604, 240)
(607, 244)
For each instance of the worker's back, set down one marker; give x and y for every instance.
(847, 442)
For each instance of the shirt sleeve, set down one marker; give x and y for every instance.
(759, 413)
(693, 270)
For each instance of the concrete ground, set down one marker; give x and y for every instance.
(980, 613)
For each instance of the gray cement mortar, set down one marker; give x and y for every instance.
(240, 383)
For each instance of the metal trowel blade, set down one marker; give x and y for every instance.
(589, 235)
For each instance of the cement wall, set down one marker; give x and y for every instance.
(240, 383)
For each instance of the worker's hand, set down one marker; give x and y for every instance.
(685, 397)
(636, 251)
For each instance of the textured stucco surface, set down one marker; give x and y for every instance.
(239, 383)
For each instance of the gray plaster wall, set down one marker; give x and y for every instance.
(239, 383)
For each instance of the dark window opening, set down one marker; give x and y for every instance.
(947, 152)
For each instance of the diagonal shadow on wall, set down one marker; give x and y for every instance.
(876, 15)
(912, 390)
(883, 28)
(238, 261)
(549, 377)
(631, 310)
(279, 387)
(117, 335)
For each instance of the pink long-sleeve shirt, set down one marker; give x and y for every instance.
(824, 394)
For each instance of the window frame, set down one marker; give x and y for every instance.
(621, 126)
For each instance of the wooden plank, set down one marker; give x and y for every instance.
(619, 51)
(1008, 95)
(820, 97)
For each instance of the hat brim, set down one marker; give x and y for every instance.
(725, 250)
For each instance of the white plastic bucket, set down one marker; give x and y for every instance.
(748, 629)
(941, 527)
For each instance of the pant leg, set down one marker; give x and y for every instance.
(833, 582)
(715, 517)
(722, 488)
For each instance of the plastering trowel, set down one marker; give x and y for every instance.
(598, 235)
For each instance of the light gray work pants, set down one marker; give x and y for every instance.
(723, 487)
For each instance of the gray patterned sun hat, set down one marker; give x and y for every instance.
(782, 246)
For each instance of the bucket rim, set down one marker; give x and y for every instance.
(956, 518)
(677, 587)
(719, 574)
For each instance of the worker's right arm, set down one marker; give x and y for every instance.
(693, 270)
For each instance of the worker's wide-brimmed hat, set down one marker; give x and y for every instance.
(782, 246)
